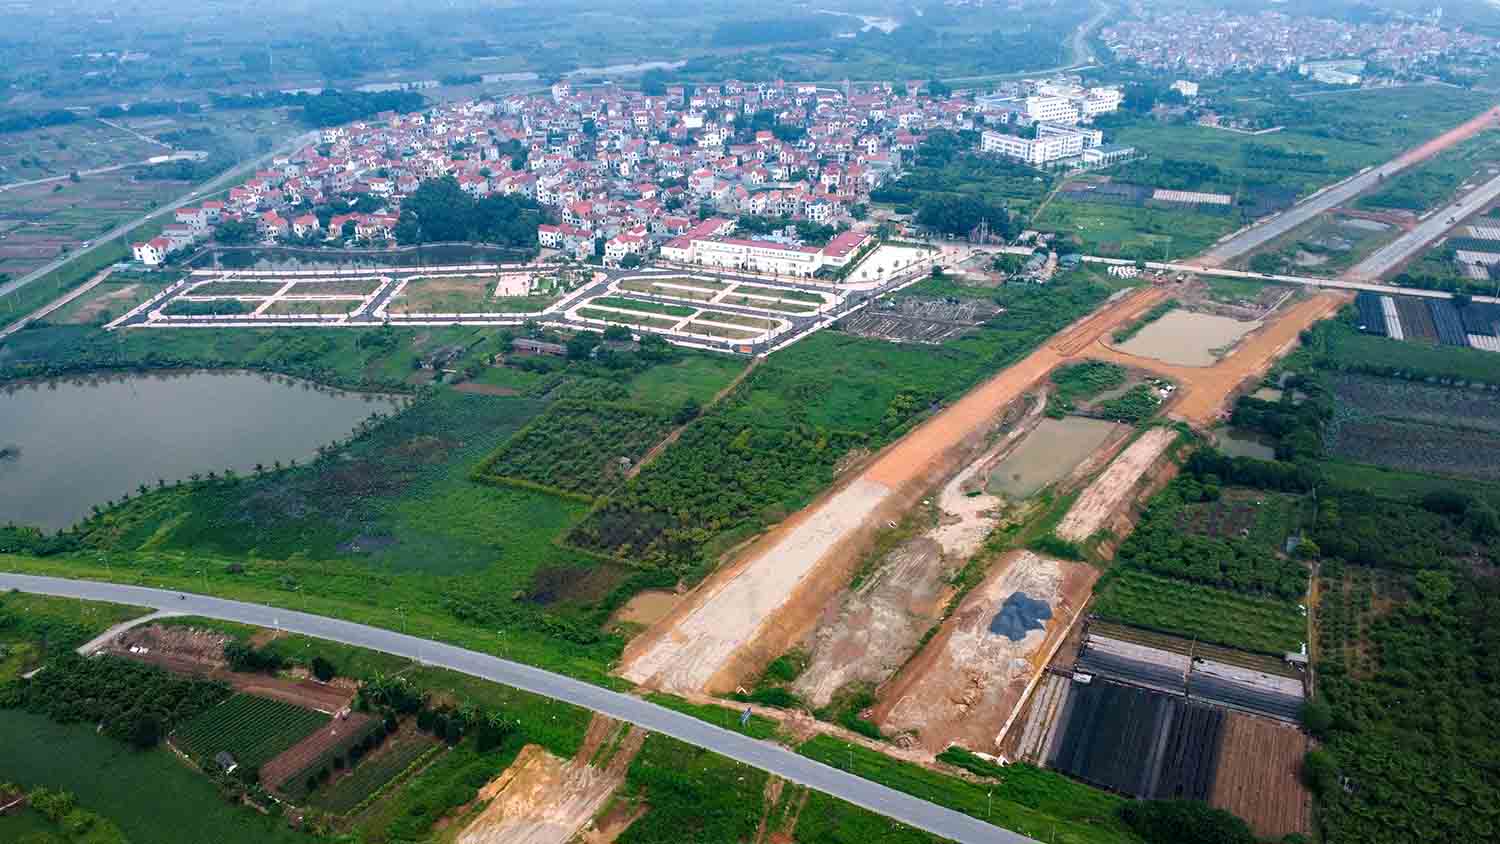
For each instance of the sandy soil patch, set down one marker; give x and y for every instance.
(647, 607)
(541, 799)
(1113, 489)
(967, 684)
(486, 389)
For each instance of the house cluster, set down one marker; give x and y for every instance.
(711, 243)
(622, 172)
(1209, 43)
(1041, 122)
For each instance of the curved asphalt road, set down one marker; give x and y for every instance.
(760, 754)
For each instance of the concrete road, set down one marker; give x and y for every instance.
(1393, 254)
(203, 191)
(1306, 281)
(764, 755)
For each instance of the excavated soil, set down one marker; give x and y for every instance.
(542, 799)
(966, 685)
(755, 609)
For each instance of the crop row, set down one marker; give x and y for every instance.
(372, 775)
(305, 780)
(1201, 612)
(252, 729)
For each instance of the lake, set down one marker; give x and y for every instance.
(1048, 454)
(85, 441)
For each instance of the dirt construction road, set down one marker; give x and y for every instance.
(754, 609)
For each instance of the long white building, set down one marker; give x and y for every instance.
(1052, 143)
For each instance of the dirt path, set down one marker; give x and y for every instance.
(1115, 487)
(542, 799)
(772, 596)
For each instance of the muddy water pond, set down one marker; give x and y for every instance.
(85, 441)
(1048, 454)
(1186, 338)
(1243, 444)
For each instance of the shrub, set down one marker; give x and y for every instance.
(1184, 822)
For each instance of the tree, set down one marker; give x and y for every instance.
(236, 233)
(1184, 822)
(1317, 717)
(322, 669)
(145, 732)
(581, 345)
(1320, 772)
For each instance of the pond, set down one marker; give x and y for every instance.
(1048, 454)
(1186, 338)
(83, 441)
(1237, 443)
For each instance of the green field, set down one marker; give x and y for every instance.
(1033, 802)
(150, 795)
(1263, 625)
(1434, 181)
(254, 730)
(620, 318)
(578, 447)
(1150, 234)
(694, 795)
(33, 627)
(1342, 348)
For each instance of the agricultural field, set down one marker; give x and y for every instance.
(1265, 625)
(115, 296)
(1414, 426)
(768, 447)
(41, 222)
(578, 446)
(35, 627)
(1342, 348)
(1259, 776)
(1140, 742)
(301, 769)
(251, 729)
(1435, 180)
(180, 806)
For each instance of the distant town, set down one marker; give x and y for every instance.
(627, 173)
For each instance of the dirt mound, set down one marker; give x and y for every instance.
(179, 648)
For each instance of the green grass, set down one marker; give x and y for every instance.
(642, 306)
(1079, 381)
(18, 303)
(1347, 349)
(150, 795)
(779, 293)
(451, 781)
(696, 377)
(695, 796)
(252, 729)
(35, 626)
(828, 820)
(759, 727)
(1150, 234)
(1041, 804)
(1263, 625)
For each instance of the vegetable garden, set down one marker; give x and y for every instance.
(1131, 596)
(252, 729)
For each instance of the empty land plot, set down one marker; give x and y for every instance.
(623, 318)
(447, 295)
(738, 319)
(1263, 625)
(919, 319)
(104, 303)
(251, 729)
(687, 281)
(779, 293)
(638, 286)
(965, 685)
(768, 304)
(1417, 448)
(722, 331)
(337, 287)
(237, 288)
(624, 304)
(1112, 490)
(1259, 776)
(310, 307)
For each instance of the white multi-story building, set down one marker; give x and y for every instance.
(1051, 109)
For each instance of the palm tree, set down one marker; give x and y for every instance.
(195, 477)
(161, 483)
(142, 489)
(259, 468)
(276, 464)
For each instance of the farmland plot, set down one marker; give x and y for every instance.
(1416, 448)
(291, 770)
(1264, 625)
(373, 772)
(577, 446)
(1258, 776)
(251, 729)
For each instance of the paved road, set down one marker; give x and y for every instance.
(177, 156)
(203, 191)
(1307, 281)
(1391, 255)
(760, 754)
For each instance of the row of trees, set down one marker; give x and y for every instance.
(440, 211)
